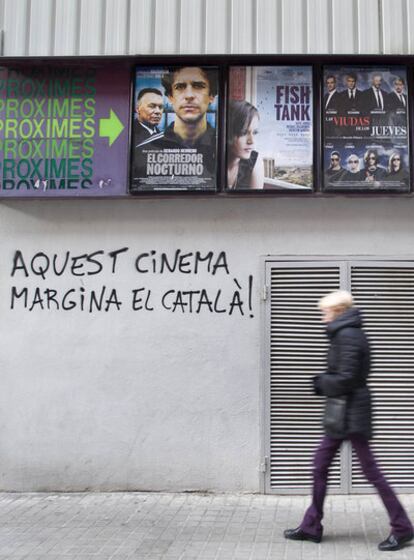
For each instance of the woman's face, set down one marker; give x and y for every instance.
(353, 164)
(396, 163)
(243, 145)
(329, 314)
(371, 160)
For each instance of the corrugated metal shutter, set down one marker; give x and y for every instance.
(385, 292)
(297, 352)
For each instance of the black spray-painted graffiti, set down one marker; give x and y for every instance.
(232, 298)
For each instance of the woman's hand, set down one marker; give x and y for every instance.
(316, 382)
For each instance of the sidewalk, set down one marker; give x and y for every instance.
(153, 526)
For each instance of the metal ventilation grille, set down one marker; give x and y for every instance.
(386, 296)
(297, 352)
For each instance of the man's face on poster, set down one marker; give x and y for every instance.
(330, 84)
(150, 108)
(377, 81)
(350, 82)
(399, 86)
(190, 94)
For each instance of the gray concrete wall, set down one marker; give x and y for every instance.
(153, 400)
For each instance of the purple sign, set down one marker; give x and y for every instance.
(64, 130)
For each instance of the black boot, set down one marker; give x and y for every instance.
(395, 543)
(299, 535)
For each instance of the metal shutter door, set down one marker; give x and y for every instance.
(385, 293)
(297, 352)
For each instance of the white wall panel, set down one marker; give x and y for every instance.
(192, 26)
(294, 31)
(116, 26)
(369, 36)
(167, 26)
(269, 34)
(217, 32)
(66, 33)
(394, 25)
(87, 27)
(141, 26)
(16, 27)
(243, 27)
(319, 34)
(410, 26)
(91, 27)
(1, 25)
(42, 27)
(345, 26)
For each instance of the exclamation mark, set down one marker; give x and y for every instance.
(250, 295)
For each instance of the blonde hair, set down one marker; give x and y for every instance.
(339, 299)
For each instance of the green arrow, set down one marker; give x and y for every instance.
(111, 127)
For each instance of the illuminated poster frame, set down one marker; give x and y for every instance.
(270, 128)
(88, 152)
(365, 126)
(175, 129)
(64, 129)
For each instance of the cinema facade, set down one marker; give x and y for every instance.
(160, 327)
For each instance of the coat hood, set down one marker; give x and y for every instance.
(349, 318)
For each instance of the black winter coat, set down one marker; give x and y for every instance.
(348, 366)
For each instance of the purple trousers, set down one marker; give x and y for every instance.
(311, 524)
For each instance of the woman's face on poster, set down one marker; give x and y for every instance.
(243, 145)
(371, 160)
(396, 163)
(353, 164)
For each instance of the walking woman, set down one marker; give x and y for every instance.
(347, 416)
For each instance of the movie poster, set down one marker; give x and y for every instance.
(174, 135)
(365, 128)
(269, 128)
